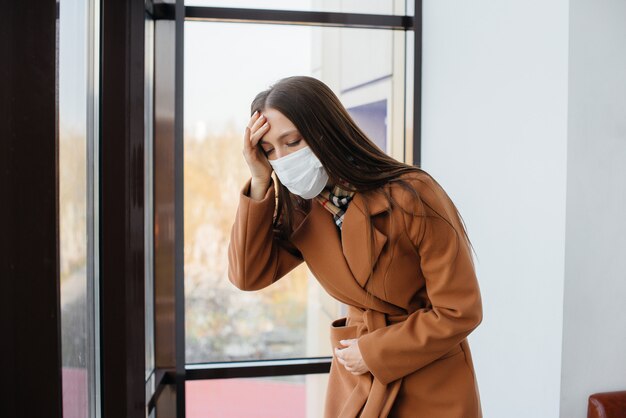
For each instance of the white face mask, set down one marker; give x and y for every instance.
(301, 172)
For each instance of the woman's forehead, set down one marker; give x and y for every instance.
(280, 127)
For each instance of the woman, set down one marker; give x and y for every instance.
(379, 235)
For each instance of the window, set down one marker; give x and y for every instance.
(383, 7)
(290, 318)
(226, 64)
(77, 205)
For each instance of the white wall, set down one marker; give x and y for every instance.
(594, 331)
(495, 134)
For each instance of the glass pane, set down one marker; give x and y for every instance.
(223, 73)
(297, 396)
(149, 195)
(382, 7)
(77, 99)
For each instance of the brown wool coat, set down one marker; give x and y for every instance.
(412, 334)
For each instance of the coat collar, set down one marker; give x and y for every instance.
(355, 234)
(318, 226)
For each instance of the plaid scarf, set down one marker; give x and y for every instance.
(336, 201)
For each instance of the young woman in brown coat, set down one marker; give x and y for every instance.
(379, 235)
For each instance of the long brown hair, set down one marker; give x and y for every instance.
(336, 140)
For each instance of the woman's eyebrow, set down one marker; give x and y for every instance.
(281, 136)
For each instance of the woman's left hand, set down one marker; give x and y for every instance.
(350, 357)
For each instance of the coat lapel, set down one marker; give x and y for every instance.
(355, 234)
(314, 232)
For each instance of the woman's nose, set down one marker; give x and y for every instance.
(281, 153)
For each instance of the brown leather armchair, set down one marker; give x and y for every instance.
(607, 405)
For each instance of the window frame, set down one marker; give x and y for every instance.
(173, 369)
(168, 12)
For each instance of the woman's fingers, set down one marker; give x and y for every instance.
(251, 130)
(339, 358)
(255, 157)
(348, 357)
(248, 133)
(345, 364)
(256, 137)
(340, 352)
(258, 129)
(246, 140)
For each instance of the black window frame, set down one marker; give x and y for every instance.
(273, 367)
(29, 247)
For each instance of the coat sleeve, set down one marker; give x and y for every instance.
(447, 266)
(256, 256)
